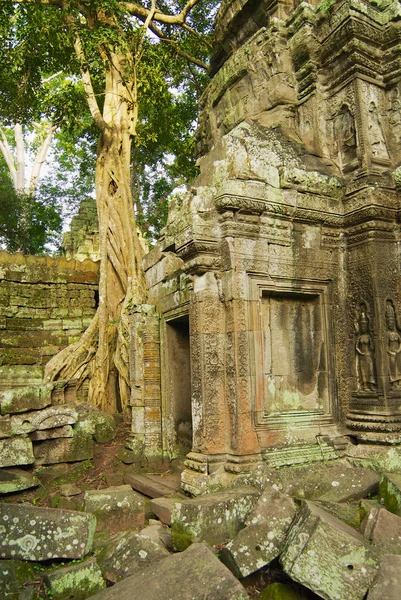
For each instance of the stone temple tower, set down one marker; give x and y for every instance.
(273, 329)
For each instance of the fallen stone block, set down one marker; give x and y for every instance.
(383, 529)
(19, 400)
(213, 518)
(48, 418)
(352, 513)
(32, 533)
(387, 584)
(16, 451)
(14, 574)
(162, 508)
(77, 581)
(390, 492)
(116, 508)
(15, 480)
(158, 534)
(153, 486)
(50, 434)
(195, 573)
(96, 422)
(262, 539)
(327, 556)
(128, 553)
(61, 450)
(333, 483)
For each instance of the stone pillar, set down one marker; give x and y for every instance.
(145, 438)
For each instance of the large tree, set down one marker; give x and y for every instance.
(120, 50)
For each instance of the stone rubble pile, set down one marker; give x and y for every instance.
(35, 431)
(333, 530)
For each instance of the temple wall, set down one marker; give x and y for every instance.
(45, 304)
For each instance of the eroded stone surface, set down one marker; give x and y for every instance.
(15, 480)
(327, 556)
(117, 508)
(128, 553)
(50, 434)
(19, 400)
(204, 574)
(60, 450)
(261, 540)
(75, 581)
(33, 533)
(387, 585)
(96, 422)
(390, 492)
(214, 518)
(16, 451)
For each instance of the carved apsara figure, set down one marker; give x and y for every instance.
(365, 356)
(345, 138)
(393, 347)
(376, 136)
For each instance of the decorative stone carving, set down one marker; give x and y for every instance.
(365, 354)
(393, 347)
(376, 136)
(345, 138)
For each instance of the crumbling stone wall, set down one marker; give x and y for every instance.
(45, 304)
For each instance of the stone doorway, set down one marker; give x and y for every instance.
(179, 384)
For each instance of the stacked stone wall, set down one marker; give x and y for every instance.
(45, 304)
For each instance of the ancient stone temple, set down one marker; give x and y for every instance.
(273, 329)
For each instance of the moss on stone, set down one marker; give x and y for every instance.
(181, 538)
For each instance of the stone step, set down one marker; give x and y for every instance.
(154, 486)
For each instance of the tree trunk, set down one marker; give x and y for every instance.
(102, 352)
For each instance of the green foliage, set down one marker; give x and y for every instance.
(26, 223)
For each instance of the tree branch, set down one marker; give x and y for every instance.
(8, 157)
(138, 11)
(40, 159)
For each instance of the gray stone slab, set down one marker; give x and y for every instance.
(327, 556)
(195, 573)
(116, 508)
(262, 539)
(213, 518)
(16, 450)
(383, 529)
(127, 553)
(48, 418)
(162, 508)
(78, 581)
(153, 486)
(19, 400)
(15, 480)
(387, 585)
(32, 533)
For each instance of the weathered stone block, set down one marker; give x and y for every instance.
(383, 529)
(75, 581)
(116, 508)
(128, 553)
(203, 571)
(390, 492)
(33, 533)
(66, 431)
(387, 584)
(16, 451)
(5, 426)
(162, 508)
(327, 556)
(19, 400)
(214, 518)
(262, 539)
(77, 448)
(48, 418)
(15, 480)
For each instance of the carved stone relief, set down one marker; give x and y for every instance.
(376, 135)
(345, 139)
(364, 353)
(393, 347)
